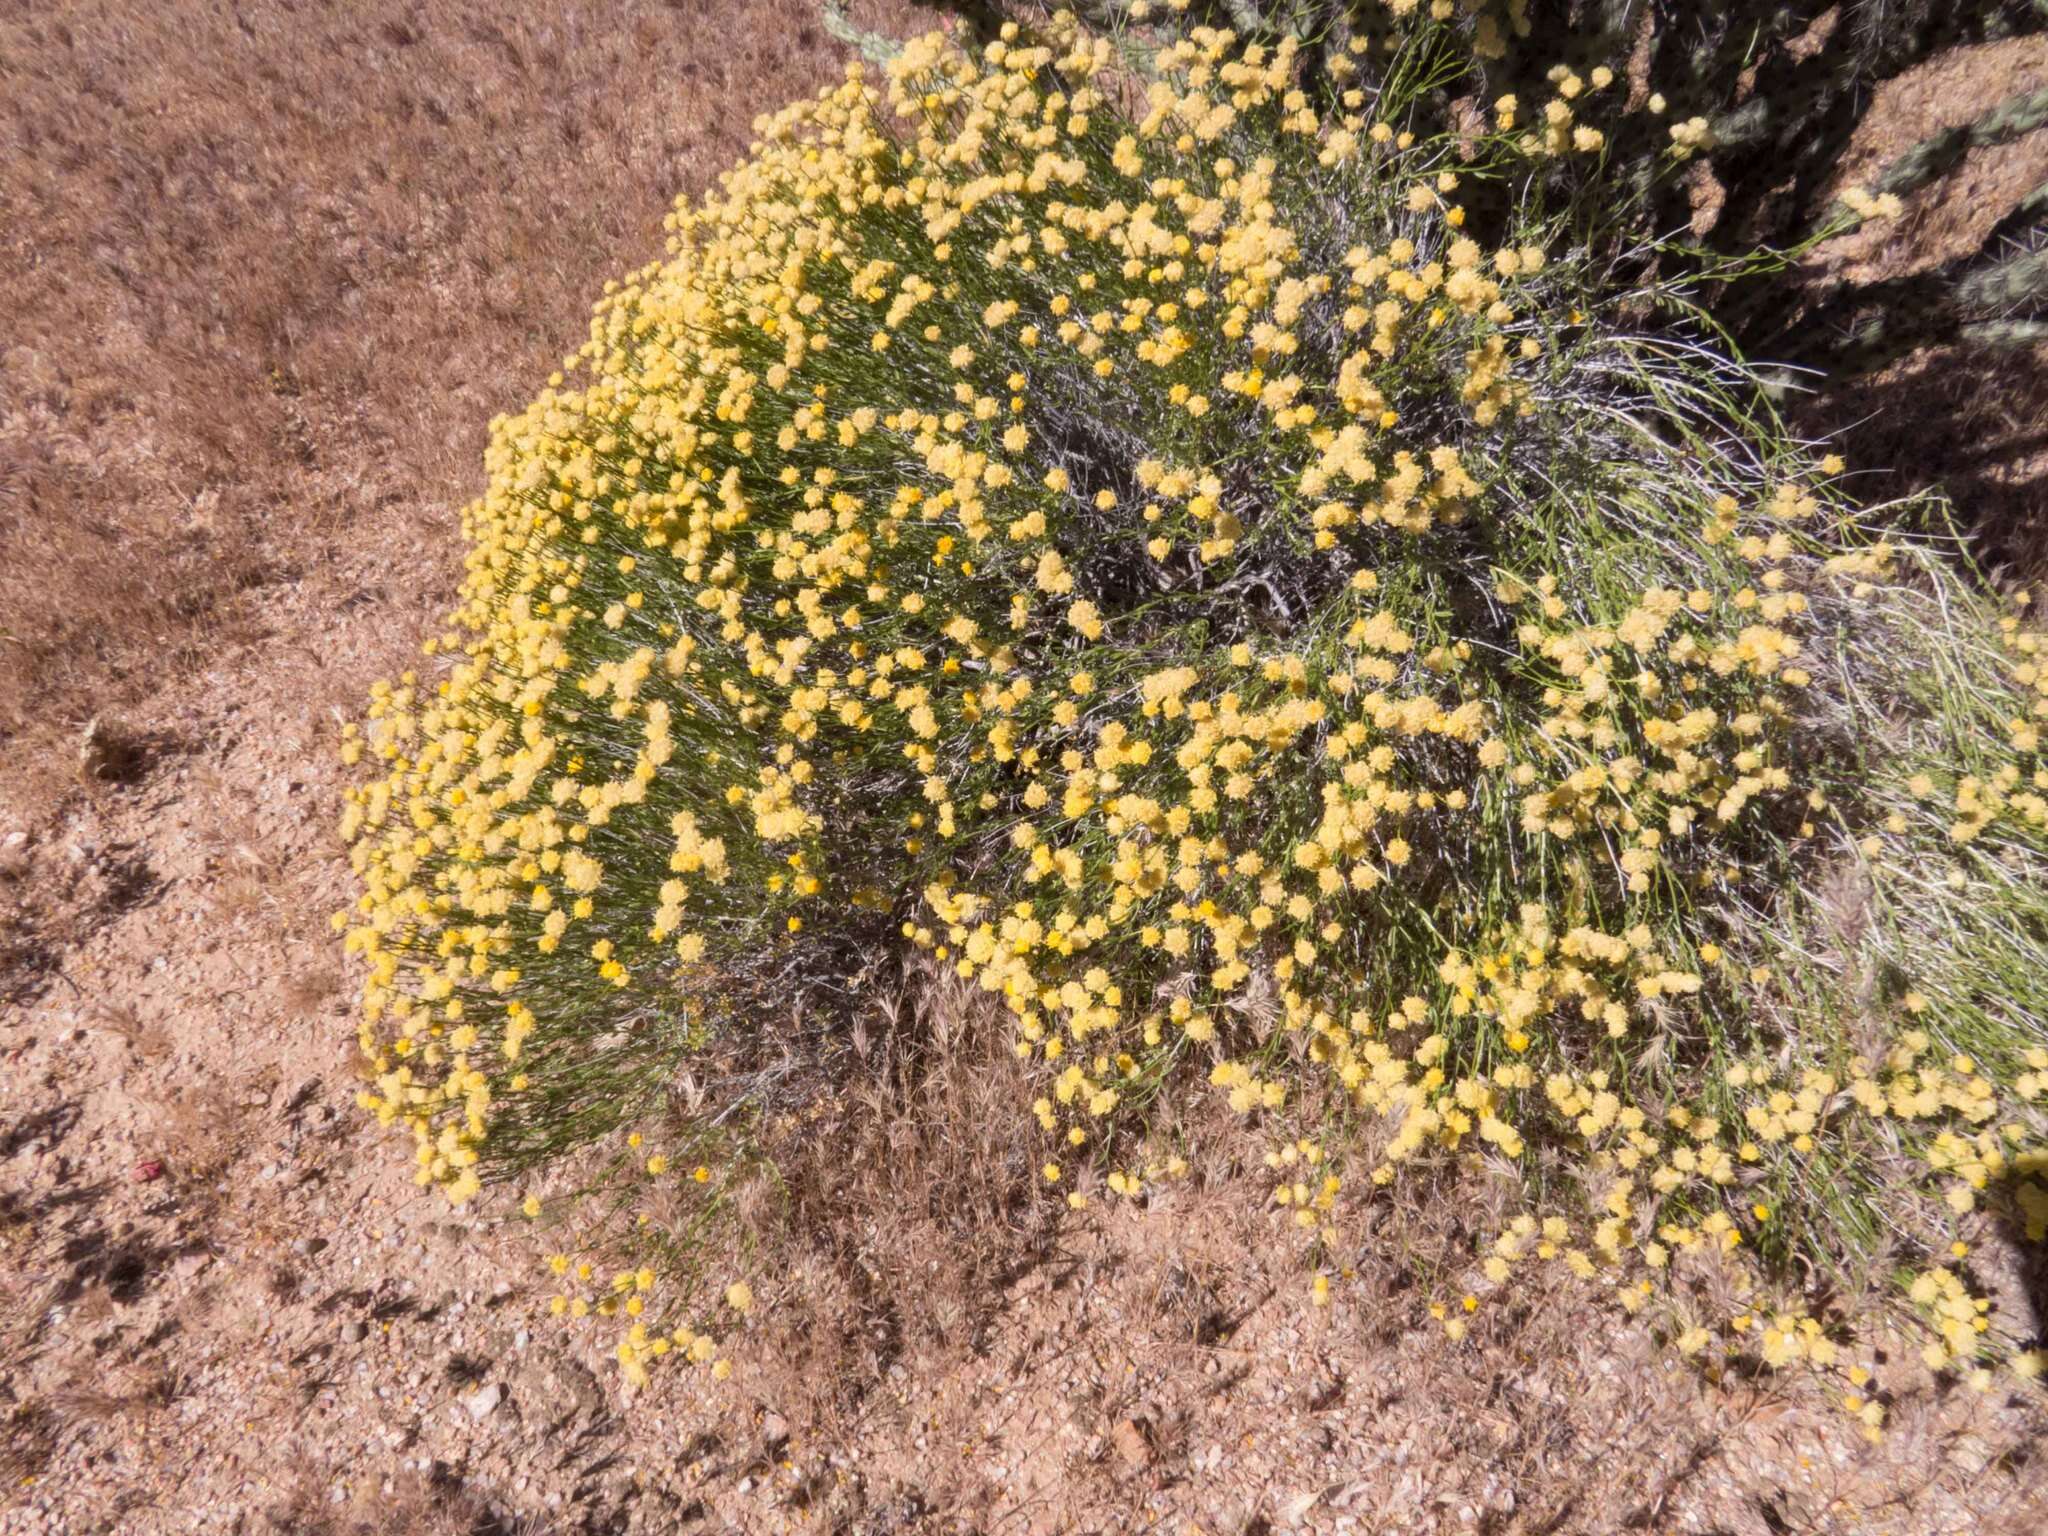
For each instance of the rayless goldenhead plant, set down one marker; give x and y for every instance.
(1769, 123)
(1757, 101)
(1269, 597)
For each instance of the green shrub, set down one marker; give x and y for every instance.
(1747, 110)
(1249, 589)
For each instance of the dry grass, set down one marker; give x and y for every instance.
(269, 269)
(1117, 1364)
(431, 1504)
(920, 1250)
(908, 1205)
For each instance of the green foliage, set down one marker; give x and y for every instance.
(1283, 601)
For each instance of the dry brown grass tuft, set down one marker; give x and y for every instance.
(125, 1022)
(310, 990)
(28, 1439)
(903, 1207)
(202, 1131)
(138, 1393)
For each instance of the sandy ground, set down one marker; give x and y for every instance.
(223, 1305)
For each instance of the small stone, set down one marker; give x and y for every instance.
(1294, 1509)
(483, 1401)
(1133, 1444)
(352, 1331)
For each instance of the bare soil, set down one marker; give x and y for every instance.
(1971, 422)
(266, 271)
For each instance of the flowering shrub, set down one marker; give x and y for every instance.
(1155, 551)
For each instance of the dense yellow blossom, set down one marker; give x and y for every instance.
(1168, 558)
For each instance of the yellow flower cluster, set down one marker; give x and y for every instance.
(1160, 553)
